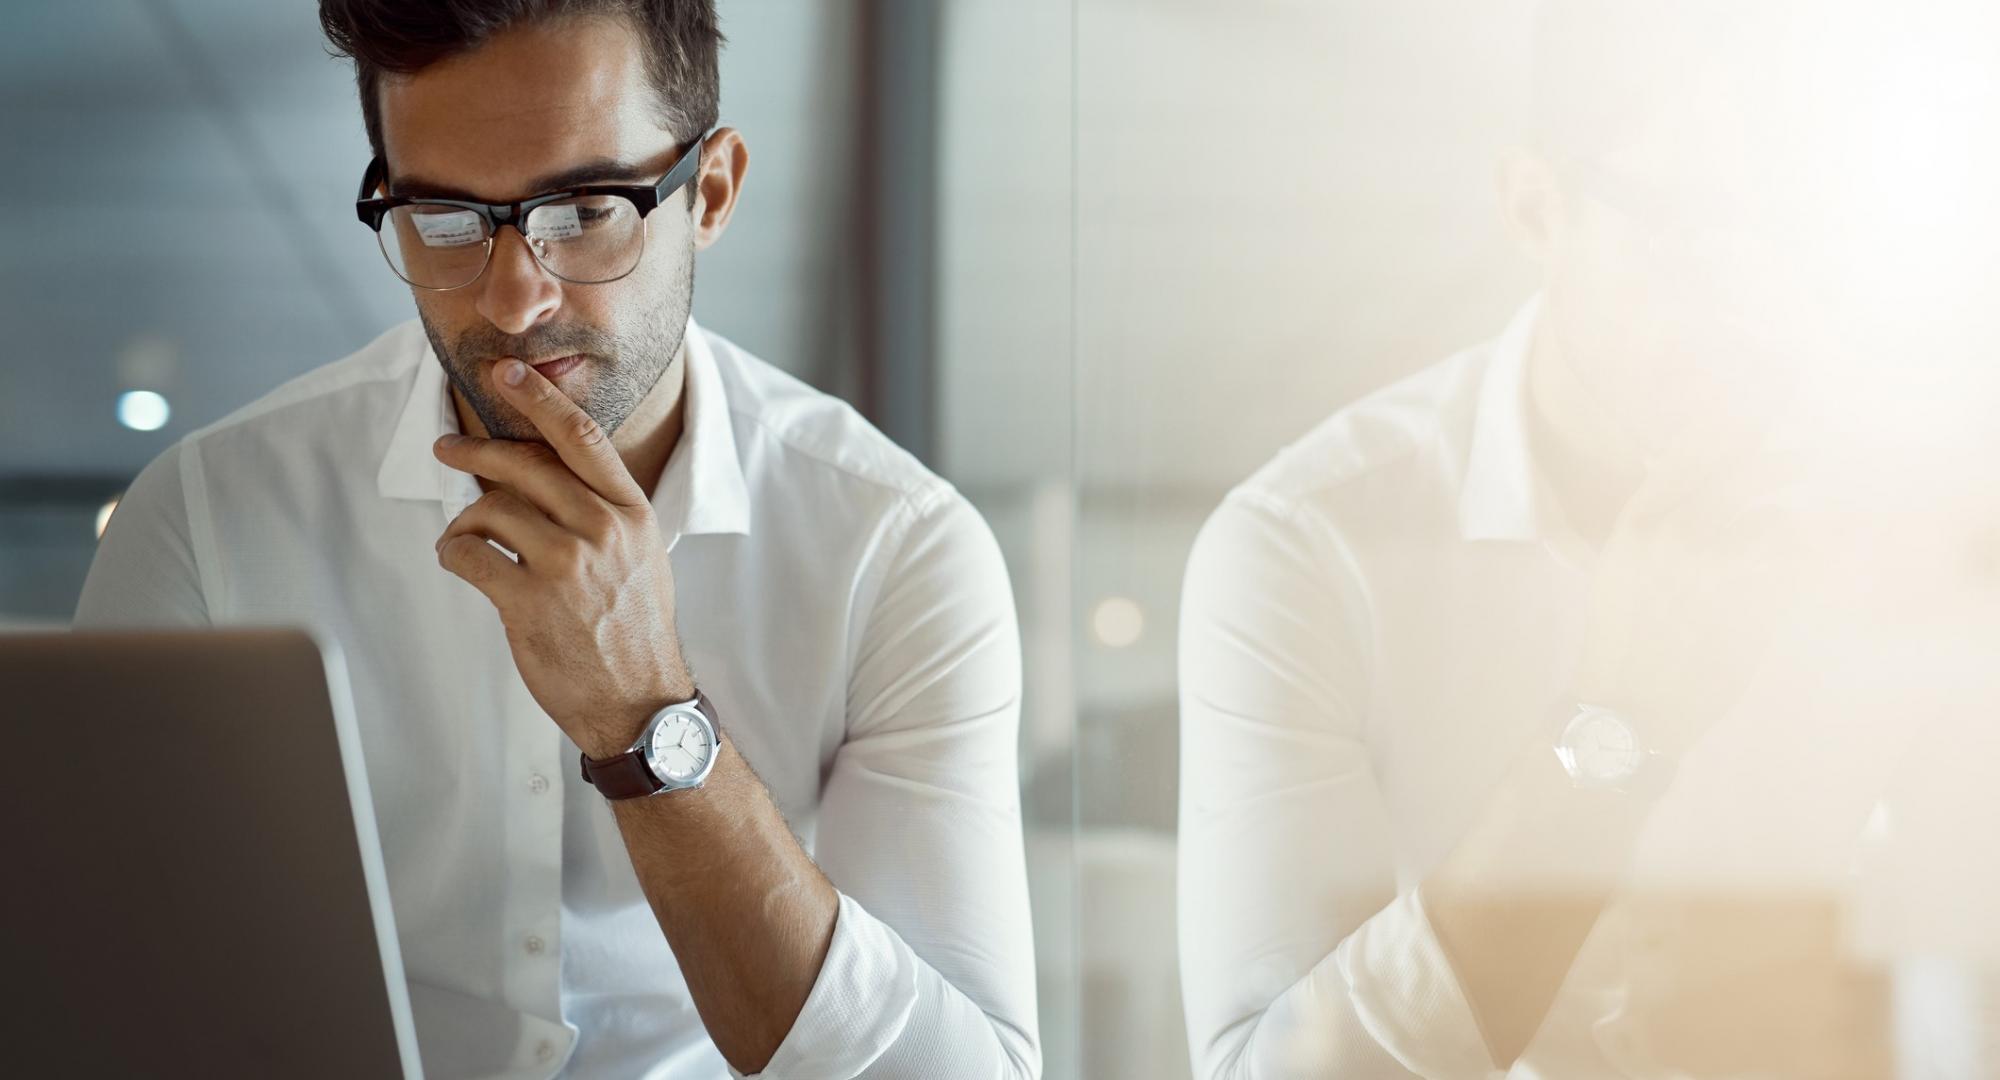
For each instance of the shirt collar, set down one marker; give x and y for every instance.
(702, 490)
(1503, 496)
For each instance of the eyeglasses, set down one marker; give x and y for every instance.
(1710, 240)
(586, 235)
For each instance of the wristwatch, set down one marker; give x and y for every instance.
(674, 752)
(1601, 749)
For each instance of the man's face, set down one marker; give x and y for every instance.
(490, 125)
(1675, 291)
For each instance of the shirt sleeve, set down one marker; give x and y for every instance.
(1298, 957)
(145, 571)
(930, 972)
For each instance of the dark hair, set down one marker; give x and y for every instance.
(681, 38)
(1602, 67)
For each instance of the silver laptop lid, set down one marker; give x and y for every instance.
(194, 885)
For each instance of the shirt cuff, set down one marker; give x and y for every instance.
(1407, 995)
(865, 993)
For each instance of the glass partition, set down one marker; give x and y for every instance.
(1533, 541)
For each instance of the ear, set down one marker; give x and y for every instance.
(724, 160)
(1531, 201)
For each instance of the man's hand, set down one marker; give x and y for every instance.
(589, 607)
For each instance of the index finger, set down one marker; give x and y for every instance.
(575, 437)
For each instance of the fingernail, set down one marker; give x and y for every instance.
(512, 372)
(448, 440)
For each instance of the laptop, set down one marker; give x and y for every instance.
(190, 880)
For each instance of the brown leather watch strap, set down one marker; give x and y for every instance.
(707, 708)
(626, 775)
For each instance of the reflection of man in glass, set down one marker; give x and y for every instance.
(1492, 698)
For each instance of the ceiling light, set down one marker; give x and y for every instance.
(1117, 622)
(104, 516)
(142, 410)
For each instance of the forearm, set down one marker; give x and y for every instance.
(747, 913)
(881, 1012)
(1513, 902)
(1453, 980)
(1382, 1004)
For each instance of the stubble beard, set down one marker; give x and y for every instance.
(619, 369)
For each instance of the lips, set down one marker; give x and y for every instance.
(552, 369)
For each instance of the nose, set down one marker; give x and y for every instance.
(516, 293)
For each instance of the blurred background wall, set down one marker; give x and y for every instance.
(1160, 239)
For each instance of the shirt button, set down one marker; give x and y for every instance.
(538, 783)
(544, 1050)
(534, 944)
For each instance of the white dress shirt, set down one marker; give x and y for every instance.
(1372, 626)
(1337, 628)
(847, 611)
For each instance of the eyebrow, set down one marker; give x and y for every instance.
(601, 171)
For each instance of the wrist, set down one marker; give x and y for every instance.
(613, 731)
(607, 738)
(1605, 748)
(675, 751)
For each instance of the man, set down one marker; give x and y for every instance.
(1482, 665)
(705, 562)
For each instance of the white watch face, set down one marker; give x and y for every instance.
(681, 747)
(1598, 746)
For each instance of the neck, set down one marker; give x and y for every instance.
(647, 437)
(1591, 466)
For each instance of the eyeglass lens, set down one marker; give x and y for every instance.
(587, 240)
